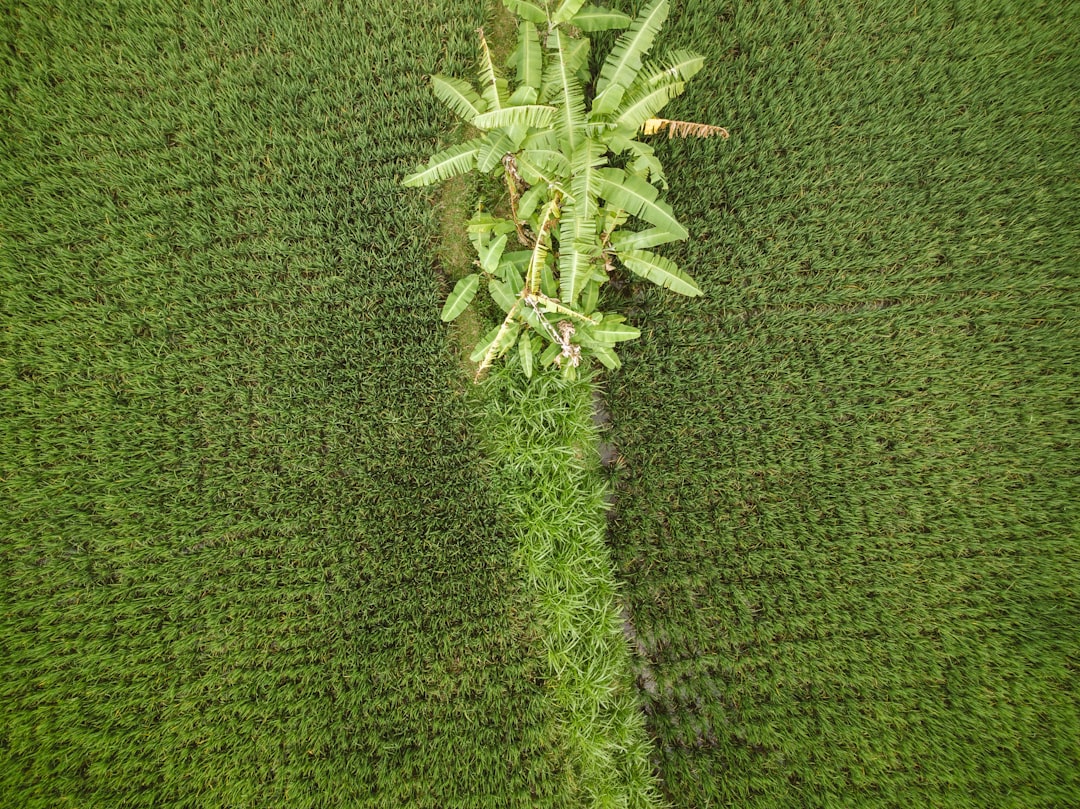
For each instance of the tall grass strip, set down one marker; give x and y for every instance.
(542, 446)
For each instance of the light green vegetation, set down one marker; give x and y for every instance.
(847, 520)
(552, 139)
(246, 554)
(542, 446)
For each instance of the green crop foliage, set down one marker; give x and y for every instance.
(564, 141)
(847, 521)
(248, 557)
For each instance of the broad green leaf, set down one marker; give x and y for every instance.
(446, 164)
(614, 331)
(484, 344)
(496, 144)
(530, 58)
(578, 224)
(490, 255)
(484, 222)
(523, 96)
(636, 196)
(544, 171)
(564, 90)
(624, 240)
(527, 10)
(661, 271)
(594, 18)
(531, 116)
(525, 354)
(502, 295)
(590, 296)
(647, 167)
(550, 161)
(550, 353)
(460, 298)
(458, 95)
(529, 200)
(566, 10)
(624, 61)
(543, 139)
(548, 285)
(607, 356)
(573, 264)
(577, 57)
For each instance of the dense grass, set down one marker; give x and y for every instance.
(847, 518)
(247, 556)
(542, 443)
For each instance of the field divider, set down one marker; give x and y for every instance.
(542, 445)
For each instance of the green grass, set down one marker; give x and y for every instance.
(847, 520)
(542, 445)
(247, 554)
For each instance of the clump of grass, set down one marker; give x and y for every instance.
(542, 447)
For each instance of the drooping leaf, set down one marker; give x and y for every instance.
(566, 10)
(594, 18)
(460, 298)
(526, 10)
(682, 129)
(638, 197)
(494, 85)
(563, 89)
(639, 105)
(542, 247)
(458, 95)
(624, 61)
(448, 163)
(660, 271)
(506, 333)
(607, 357)
(531, 116)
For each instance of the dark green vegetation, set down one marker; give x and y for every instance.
(848, 515)
(247, 557)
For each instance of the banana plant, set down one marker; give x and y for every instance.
(566, 145)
